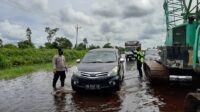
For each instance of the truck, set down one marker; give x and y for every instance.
(180, 55)
(130, 47)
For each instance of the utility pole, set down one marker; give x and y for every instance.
(77, 27)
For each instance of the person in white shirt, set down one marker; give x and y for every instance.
(59, 68)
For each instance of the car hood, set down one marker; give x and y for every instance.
(96, 67)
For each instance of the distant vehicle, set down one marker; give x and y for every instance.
(129, 47)
(99, 69)
(152, 55)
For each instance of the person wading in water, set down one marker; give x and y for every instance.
(59, 68)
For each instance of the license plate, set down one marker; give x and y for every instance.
(92, 86)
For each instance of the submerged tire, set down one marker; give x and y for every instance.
(75, 88)
(192, 104)
(117, 87)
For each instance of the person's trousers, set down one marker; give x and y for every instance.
(62, 76)
(139, 67)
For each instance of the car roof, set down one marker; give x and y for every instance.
(104, 49)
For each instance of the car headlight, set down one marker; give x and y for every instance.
(76, 72)
(113, 71)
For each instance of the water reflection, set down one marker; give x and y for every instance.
(96, 102)
(59, 101)
(172, 96)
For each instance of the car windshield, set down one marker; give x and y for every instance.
(100, 57)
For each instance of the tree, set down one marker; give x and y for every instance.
(63, 43)
(1, 43)
(59, 43)
(121, 49)
(93, 47)
(51, 33)
(107, 45)
(28, 34)
(25, 44)
(10, 46)
(85, 42)
(52, 45)
(81, 46)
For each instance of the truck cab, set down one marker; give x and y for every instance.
(130, 47)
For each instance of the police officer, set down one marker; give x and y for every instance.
(140, 60)
(59, 68)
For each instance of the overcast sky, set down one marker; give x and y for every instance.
(115, 21)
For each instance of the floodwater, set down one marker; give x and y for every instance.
(34, 93)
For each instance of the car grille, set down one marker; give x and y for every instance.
(94, 74)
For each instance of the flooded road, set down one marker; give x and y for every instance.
(34, 93)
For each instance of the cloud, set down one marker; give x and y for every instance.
(104, 9)
(123, 8)
(28, 6)
(112, 26)
(116, 20)
(135, 11)
(12, 31)
(71, 16)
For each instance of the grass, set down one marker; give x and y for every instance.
(14, 72)
(21, 57)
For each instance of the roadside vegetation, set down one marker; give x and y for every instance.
(25, 57)
(18, 57)
(15, 62)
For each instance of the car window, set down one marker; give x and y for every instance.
(100, 57)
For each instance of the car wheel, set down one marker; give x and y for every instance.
(117, 87)
(74, 88)
(127, 58)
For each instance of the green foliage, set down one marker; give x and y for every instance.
(107, 45)
(18, 57)
(93, 47)
(53, 45)
(59, 43)
(11, 46)
(4, 62)
(85, 41)
(63, 43)
(1, 43)
(121, 49)
(160, 47)
(25, 44)
(81, 46)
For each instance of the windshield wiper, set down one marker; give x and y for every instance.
(95, 62)
(109, 62)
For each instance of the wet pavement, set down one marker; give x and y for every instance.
(34, 93)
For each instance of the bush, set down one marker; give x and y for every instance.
(18, 57)
(4, 62)
(11, 46)
(25, 44)
(107, 45)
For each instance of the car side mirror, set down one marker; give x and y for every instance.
(121, 60)
(78, 60)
